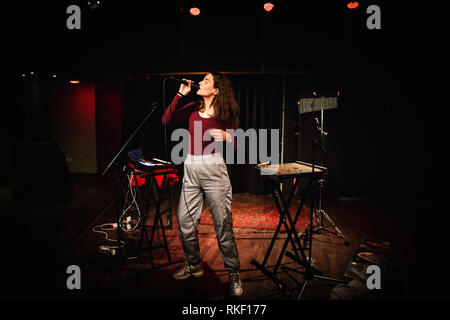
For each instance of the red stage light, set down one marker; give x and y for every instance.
(268, 6)
(194, 11)
(352, 5)
(74, 81)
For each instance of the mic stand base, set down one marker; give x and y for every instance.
(310, 273)
(319, 216)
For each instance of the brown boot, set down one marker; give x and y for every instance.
(188, 271)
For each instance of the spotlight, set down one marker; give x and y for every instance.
(352, 5)
(194, 11)
(74, 81)
(268, 7)
(93, 4)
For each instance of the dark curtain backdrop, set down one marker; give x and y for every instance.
(374, 136)
(362, 132)
(260, 99)
(359, 131)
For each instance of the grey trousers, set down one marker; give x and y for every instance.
(206, 178)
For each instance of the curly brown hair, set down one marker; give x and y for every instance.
(226, 108)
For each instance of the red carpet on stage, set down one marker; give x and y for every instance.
(259, 216)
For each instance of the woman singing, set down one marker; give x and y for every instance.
(205, 172)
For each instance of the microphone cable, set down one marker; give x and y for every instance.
(182, 183)
(164, 115)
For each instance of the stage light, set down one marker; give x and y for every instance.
(93, 4)
(194, 11)
(268, 6)
(74, 81)
(352, 5)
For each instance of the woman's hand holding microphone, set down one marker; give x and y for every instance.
(185, 89)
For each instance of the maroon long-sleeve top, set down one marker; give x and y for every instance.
(177, 113)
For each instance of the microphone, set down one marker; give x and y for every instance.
(193, 85)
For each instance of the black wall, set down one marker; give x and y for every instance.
(372, 142)
(370, 137)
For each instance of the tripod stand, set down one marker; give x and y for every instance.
(319, 214)
(310, 272)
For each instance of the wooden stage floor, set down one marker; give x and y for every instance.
(358, 220)
(42, 240)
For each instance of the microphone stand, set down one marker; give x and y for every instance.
(118, 176)
(154, 106)
(310, 272)
(320, 213)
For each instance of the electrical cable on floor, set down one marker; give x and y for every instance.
(112, 227)
(133, 195)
